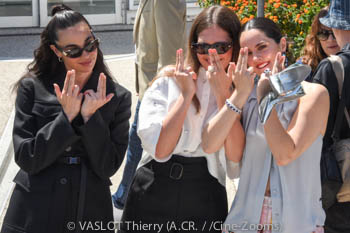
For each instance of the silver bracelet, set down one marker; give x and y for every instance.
(233, 107)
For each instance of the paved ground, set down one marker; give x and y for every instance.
(16, 53)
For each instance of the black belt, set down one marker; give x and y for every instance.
(180, 167)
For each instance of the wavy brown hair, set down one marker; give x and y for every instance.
(312, 53)
(217, 15)
(45, 64)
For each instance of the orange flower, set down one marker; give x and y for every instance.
(298, 16)
(251, 17)
(244, 20)
(275, 20)
(301, 33)
(276, 5)
(271, 17)
(294, 5)
(300, 21)
(306, 11)
(305, 1)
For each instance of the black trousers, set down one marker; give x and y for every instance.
(179, 195)
(338, 218)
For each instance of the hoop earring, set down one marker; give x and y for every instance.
(59, 59)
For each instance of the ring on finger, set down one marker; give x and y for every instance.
(211, 69)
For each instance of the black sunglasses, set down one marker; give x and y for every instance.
(324, 34)
(76, 51)
(202, 48)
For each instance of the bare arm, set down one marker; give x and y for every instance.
(173, 122)
(308, 122)
(225, 128)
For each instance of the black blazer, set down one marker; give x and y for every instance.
(48, 191)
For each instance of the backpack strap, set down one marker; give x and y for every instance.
(338, 68)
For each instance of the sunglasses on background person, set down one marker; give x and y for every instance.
(202, 48)
(75, 51)
(324, 34)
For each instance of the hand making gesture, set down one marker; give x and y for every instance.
(184, 77)
(242, 76)
(95, 100)
(264, 83)
(219, 81)
(69, 98)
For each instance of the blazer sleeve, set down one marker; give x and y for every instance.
(37, 148)
(106, 144)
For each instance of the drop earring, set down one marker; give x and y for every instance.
(285, 60)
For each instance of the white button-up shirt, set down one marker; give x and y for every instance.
(155, 105)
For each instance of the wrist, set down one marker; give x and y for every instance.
(238, 99)
(188, 96)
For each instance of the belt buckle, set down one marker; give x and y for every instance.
(73, 160)
(172, 170)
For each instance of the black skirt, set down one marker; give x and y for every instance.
(179, 195)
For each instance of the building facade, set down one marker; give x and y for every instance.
(35, 13)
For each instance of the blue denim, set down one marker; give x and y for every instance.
(133, 158)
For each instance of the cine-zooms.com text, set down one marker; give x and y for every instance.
(168, 226)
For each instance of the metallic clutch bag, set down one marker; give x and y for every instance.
(285, 86)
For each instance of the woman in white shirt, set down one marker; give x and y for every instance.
(280, 186)
(178, 186)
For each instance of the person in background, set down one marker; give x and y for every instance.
(320, 43)
(159, 30)
(338, 19)
(70, 132)
(280, 187)
(178, 181)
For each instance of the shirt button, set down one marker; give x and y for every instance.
(63, 181)
(31, 155)
(69, 148)
(186, 131)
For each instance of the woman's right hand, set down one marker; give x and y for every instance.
(69, 98)
(242, 76)
(184, 77)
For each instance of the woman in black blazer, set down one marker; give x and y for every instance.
(70, 133)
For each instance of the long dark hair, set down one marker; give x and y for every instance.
(270, 29)
(45, 64)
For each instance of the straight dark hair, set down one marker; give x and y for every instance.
(45, 64)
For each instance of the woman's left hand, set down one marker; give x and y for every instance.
(264, 84)
(95, 100)
(219, 81)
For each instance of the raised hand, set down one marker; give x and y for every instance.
(95, 100)
(184, 77)
(219, 81)
(69, 98)
(242, 76)
(278, 65)
(264, 84)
